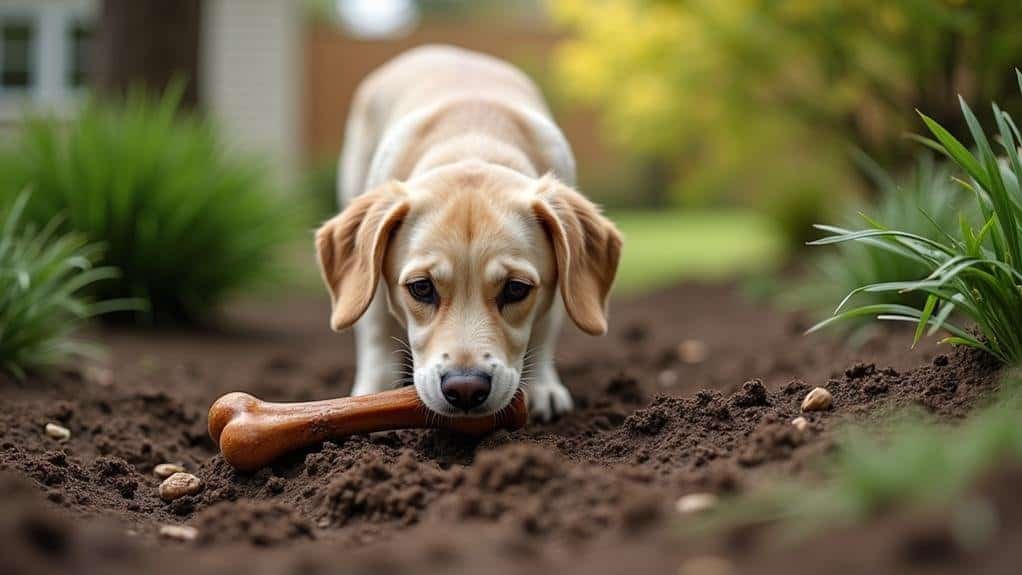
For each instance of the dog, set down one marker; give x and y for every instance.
(462, 238)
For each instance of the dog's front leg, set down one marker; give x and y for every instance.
(548, 398)
(376, 342)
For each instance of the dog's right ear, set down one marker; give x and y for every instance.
(351, 247)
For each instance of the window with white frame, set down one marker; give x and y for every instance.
(79, 43)
(18, 38)
(44, 53)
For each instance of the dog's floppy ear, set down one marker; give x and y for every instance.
(587, 247)
(351, 247)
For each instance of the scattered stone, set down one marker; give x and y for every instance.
(667, 378)
(695, 503)
(165, 470)
(800, 423)
(706, 565)
(98, 375)
(818, 399)
(179, 532)
(692, 351)
(58, 432)
(179, 485)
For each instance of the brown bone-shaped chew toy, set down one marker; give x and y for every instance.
(252, 433)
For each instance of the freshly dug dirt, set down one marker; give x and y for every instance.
(591, 493)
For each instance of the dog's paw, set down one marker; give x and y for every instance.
(548, 401)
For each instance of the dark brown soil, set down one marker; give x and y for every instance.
(590, 493)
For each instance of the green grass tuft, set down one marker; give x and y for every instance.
(926, 203)
(186, 222)
(42, 278)
(974, 271)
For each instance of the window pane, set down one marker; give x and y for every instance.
(80, 42)
(17, 42)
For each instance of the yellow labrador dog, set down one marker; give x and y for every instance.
(461, 229)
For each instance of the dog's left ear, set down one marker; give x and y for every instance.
(587, 247)
(351, 247)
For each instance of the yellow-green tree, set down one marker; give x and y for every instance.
(762, 98)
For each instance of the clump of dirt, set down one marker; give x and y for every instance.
(379, 491)
(533, 490)
(36, 538)
(262, 523)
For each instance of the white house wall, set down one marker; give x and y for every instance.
(252, 74)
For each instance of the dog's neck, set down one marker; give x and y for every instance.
(480, 147)
(469, 128)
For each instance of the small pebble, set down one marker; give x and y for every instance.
(58, 432)
(706, 565)
(818, 399)
(179, 532)
(98, 375)
(667, 378)
(800, 423)
(165, 470)
(179, 485)
(695, 503)
(692, 351)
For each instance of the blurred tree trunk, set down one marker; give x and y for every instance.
(148, 43)
(657, 177)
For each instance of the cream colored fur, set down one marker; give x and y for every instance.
(454, 172)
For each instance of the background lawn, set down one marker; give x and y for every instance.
(665, 246)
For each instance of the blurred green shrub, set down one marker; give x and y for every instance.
(185, 221)
(753, 100)
(318, 186)
(43, 275)
(972, 270)
(928, 202)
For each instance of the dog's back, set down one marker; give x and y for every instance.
(432, 93)
(431, 74)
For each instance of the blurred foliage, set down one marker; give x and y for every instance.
(971, 270)
(926, 203)
(184, 220)
(43, 275)
(757, 100)
(318, 187)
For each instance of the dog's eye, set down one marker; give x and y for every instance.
(514, 291)
(423, 291)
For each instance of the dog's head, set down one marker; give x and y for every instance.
(472, 259)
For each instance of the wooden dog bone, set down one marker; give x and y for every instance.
(252, 433)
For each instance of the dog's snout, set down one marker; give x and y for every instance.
(465, 389)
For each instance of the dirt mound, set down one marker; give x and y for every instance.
(534, 491)
(261, 523)
(650, 425)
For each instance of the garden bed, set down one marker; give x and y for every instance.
(593, 492)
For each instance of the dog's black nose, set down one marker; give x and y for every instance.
(465, 389)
